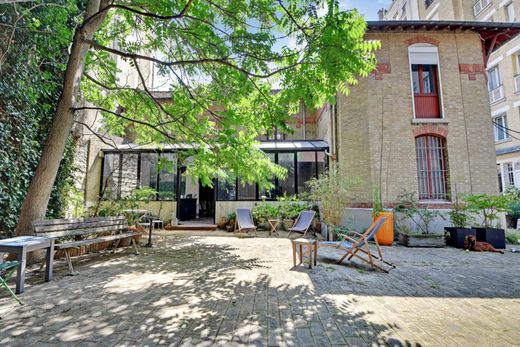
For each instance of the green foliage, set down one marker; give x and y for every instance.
(377, 203)
(512, 193)
(420, 216)
(513, 209)
(513, 237)
(31, 72)
(264, 211)
(487, 206)
(334, 191)
(224, 59)
(459, 214)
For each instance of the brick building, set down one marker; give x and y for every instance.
(503, 69)
(420, 122)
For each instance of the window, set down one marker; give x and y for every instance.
(427, 3)
(167, 176)
(306, 169)
(500, 185)
(226, 190)
(432, 167)
(275, 135)
(301, 167)
(287, 185)
(269, 194)
(426, 98)
(509, 174)
(510, 12)
(494, 80)
(246, 191)
(110, 177)
(148, 174)
(500, 128)
(129, 178)
(424, 68)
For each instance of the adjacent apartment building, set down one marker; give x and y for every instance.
(420, 122)
(503, 68)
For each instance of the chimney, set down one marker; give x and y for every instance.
(382, 13)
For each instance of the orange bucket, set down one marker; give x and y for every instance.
(385, 235)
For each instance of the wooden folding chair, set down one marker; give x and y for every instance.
(7, 270)
(360, 248)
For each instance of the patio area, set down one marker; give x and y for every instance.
(203, 289)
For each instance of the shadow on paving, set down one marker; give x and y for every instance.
(423, 272)
(182, 293)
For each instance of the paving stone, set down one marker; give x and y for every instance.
(202, 290)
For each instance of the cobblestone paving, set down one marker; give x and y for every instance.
(225, 291)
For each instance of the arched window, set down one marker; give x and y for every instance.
(424, 66)
(432, 167)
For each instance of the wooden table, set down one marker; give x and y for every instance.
(312, 249)
(273, 223)
(20, 246)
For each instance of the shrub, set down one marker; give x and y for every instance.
(421, 217)
(487, 206)
(513, 238)
(513, 209)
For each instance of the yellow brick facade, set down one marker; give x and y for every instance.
(378, 114)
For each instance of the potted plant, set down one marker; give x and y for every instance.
(333, 192)
(513, 209)
(421, 218)
(232, 217)
(460, 219)
(487, 207)
(385, 235)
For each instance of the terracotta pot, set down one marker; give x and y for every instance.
(222, 222)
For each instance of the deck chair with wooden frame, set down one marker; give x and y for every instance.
(302, 223)
(244, 220)
(7, 269)
(360, 248)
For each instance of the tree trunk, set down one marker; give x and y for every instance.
(35, 204)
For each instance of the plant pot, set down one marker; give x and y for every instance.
(496, 237)
(458, 235)
(317, 226)
(222, 222)
(230, 227)
(287, 223)
(422, 240)
(385, 235)
(511, 221)
(263, 226)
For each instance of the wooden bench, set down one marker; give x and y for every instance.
(74, 233)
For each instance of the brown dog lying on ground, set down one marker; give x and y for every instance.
(471, 244)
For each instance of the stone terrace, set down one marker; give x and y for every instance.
(208, 290)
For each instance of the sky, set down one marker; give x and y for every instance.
(367, 7)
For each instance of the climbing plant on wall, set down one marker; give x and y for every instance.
(34, 40)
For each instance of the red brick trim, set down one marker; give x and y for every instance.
(382, 69)
(422, 39)
(430, 129)
(471, 70)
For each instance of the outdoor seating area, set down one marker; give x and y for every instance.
(203, 289)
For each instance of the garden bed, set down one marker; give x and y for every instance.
(422, 240)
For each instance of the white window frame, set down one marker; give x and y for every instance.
(499, 77)
(431, 49)
(497, 129)
(507, 8)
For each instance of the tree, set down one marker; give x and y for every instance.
(224, 57)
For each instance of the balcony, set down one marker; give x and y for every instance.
(480, 6)
(517, 83)
(496, 94)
